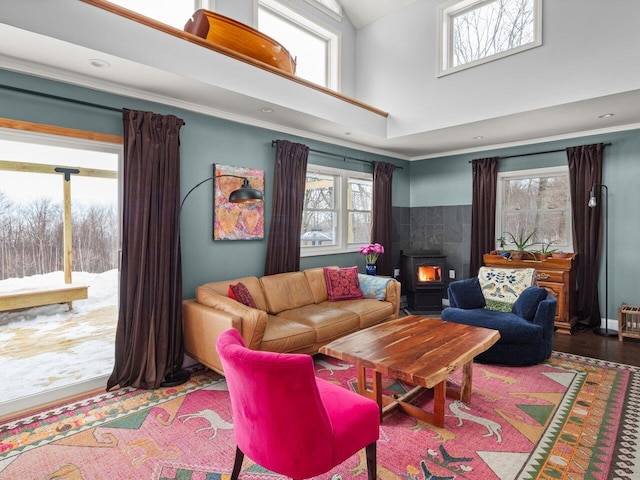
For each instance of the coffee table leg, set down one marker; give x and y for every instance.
(439, 394)
(376, 387)
(467, 382)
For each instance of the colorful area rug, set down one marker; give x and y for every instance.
(570, 418)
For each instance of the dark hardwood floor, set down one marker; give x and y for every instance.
(586, 343)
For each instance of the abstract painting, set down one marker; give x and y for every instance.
(236, 221)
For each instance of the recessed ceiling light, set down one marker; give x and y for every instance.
(266, 110)
(99, 63)
(606, 115)
(479, 137)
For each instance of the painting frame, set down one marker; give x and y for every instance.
(236, 221)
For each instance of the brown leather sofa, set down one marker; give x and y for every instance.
(292, 314)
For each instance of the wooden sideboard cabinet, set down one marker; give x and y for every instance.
(558, 276)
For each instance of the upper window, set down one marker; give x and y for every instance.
(314, 46)
(478, 31)
(337, 211)
(537, 203)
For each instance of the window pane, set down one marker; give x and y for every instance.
(540, 203)
(319, 218)
(490, 28)
(359, 194)
(309, 50)
(359, 229)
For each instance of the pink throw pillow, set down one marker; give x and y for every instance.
(240, 293)
(342, 283)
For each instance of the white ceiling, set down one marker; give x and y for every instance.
(194, 78)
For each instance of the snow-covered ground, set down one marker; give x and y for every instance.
(48, 347)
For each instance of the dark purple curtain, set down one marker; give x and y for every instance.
(151, 207)
(283, 247)
(483, 210)
(585, 170)
(381, 215)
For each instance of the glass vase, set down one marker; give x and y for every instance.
(370, 268)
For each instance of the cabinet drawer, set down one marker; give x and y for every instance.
(549, 276)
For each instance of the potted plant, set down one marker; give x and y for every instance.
(545, 250)
(521, 242)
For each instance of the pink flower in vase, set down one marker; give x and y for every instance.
(371, 252)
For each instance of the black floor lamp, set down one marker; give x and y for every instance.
(245, 194)
(606, 331)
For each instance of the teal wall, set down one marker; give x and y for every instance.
(204, 140)
(447, 181)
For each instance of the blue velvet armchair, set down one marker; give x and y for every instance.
(526, 333)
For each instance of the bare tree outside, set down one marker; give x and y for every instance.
(489, 28)
(31, 238)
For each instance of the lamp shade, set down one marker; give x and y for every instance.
(246, 194)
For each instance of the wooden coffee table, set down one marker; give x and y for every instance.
(420, 351)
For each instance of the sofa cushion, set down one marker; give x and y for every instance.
(286, 290)
(328, 322)
(317, 283)
(372, 286)
(252, 284)
(284, 335)
(466, 293)
(527, 303)
(241, 293)
(342, 283)
(512, 328)
(370, 311)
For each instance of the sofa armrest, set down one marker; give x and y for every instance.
(545, 315)
(393, 296)
(254, 321)
(201, 326)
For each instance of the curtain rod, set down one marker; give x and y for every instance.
(336, 155)
(539, 153)
(63, 99)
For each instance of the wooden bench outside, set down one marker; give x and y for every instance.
(49, 296)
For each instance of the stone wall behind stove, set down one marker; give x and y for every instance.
(445, 228)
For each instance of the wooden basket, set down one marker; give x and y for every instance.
(628, 321)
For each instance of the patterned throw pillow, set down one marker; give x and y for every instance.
(240, 293)
(342, 283)
(372, 286)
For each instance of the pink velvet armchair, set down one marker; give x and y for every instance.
(287, 420)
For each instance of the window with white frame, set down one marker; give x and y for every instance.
(314, 46)
(172, 12)
(536, 202)
(472, 32)
(336, 215)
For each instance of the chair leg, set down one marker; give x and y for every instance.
(237, 463)
(372, 466)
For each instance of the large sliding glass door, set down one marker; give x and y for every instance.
(59, 232)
